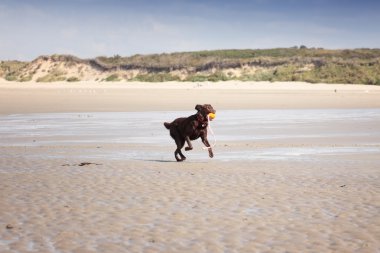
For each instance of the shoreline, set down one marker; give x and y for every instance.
(34, 97)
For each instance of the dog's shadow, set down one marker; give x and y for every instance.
(170, 161)
(157, 160)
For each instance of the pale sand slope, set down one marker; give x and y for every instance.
(103, 97)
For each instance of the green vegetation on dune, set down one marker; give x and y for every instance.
(9, 69)
(156, 77)
(112, 78)
(312, 65)
(73, 79)
(200, 58)
(280, 64)
(54, 76)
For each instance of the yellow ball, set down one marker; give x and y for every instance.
(211, 115)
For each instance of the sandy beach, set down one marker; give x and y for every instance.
(89, 167)
(119, 97)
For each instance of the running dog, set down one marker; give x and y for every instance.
(189, 129)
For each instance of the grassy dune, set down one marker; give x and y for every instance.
(360, 66)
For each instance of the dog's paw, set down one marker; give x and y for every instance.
(211, 155)
(188, 148)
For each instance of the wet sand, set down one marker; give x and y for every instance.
(282, 180)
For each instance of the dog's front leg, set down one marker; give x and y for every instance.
(190, 147)
(207, 144)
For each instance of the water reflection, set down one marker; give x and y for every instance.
(145, 128)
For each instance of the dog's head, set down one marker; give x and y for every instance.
(204, 110)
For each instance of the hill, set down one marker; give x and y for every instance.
(360, 66)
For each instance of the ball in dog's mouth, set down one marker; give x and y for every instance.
(211, 116)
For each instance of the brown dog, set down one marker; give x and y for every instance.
(190, 128)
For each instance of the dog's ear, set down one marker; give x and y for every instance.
(198, 107)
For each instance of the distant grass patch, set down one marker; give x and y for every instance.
(112, 78)
(11, 77)
(214, 77)
(55, 75)
(156, 77)
(26, 78)
(263, 75)
(196, 78)
(11, 70)
(73, 79)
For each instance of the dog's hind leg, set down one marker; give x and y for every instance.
(190, 147)
(180, 143)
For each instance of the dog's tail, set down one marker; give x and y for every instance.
(167, 125)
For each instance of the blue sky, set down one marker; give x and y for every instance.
(90, 28)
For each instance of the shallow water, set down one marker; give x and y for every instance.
(342, 132)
